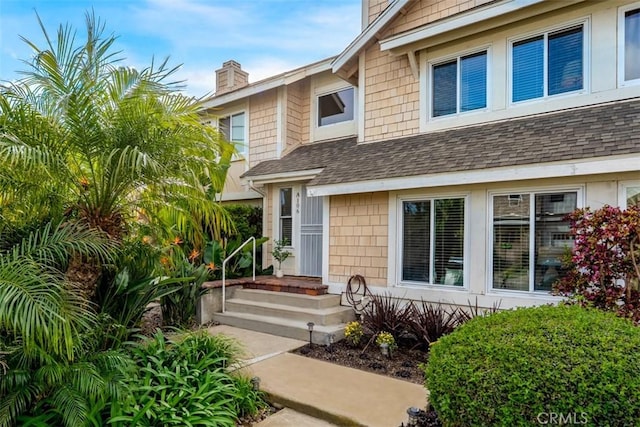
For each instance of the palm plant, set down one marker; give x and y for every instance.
(83, 137)
(47, 359)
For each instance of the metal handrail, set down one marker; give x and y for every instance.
(224, 270)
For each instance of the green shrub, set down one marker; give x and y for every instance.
(512, 367)
(247, 219)
(186, 382)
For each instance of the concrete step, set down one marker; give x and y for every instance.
(296, 300)
(324, 316)
(282, 327)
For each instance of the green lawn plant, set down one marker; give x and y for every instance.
(517, 367)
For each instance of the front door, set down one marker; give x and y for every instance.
(310, 235)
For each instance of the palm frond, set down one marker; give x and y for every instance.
(36, 306)
(52, 245)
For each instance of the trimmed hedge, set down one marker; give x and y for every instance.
(534, 365)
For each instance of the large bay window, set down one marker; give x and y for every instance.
(629, 44)
(286, 215)
(459, 85)
(233, 129)
(432, 249)
(548, 64)
(530, 236)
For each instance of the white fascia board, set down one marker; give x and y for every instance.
(364, 37)
(455, 22)
(269, 83)
(485, 176)
(240, 195)
(282, 177)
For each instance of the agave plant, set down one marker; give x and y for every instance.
(82, 136)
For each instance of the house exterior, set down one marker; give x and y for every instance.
(438, 153)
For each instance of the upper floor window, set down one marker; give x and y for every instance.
(548, 64)
(530, 237)
(630, 44)
(459, 85)
(233, 129)
(336, 107)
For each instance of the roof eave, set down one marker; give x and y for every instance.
(304, 175)
(578, 167)
(281, 79)
(419, 38)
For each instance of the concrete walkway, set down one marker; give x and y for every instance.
(339, 395)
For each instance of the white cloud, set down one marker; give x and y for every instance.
(267, 37)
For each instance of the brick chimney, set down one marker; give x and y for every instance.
(230, 77)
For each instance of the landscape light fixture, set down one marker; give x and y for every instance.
(310, 326)
(255, 383)
(413, 413)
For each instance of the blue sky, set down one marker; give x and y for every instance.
(266, 36)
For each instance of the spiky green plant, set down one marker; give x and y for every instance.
(50, 369)
(83, 136)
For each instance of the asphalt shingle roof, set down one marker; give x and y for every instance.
(596, 131)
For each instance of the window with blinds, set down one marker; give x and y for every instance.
(286, 218)
(631, 50)
(530, 237)
(548, 64)
(459, 85)
(232, 127)
(433, 241)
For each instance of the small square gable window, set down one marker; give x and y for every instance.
(335, 107)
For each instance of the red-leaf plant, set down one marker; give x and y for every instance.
(605, 271)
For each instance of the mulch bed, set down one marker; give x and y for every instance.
(403, 364)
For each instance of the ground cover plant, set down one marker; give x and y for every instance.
(516, 367)
(185, 381)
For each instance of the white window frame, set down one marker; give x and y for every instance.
(532, 191)
(295, 214)
(449, 58)
(326, 85)
(586, 64)
(398, 258)
(244, 154)
(329, 92)
(622, 192)
(621, 46)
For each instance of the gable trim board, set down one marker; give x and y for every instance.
(369, 35)
(579, 141)
(276, 81)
